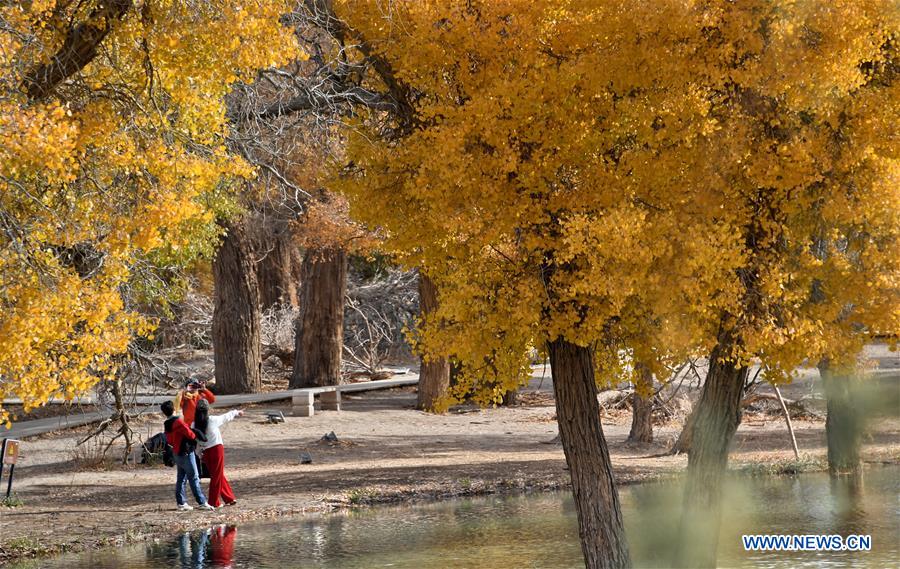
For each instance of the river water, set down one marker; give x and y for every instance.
(537, 530)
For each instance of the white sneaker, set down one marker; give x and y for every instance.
(184, 507)
(205, 506)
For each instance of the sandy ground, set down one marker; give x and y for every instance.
(386, 452)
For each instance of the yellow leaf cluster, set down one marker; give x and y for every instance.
(114, 163)
(640, 176)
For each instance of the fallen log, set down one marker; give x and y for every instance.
(797, 407)
(612, 397)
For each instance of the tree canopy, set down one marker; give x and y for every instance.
(114, 157)
(647, 172)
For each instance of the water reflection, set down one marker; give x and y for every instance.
(540, 531)
(222, 546)
(203, 549)
(192, 549)
(850, 506)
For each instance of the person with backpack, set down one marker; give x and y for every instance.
(214, 452)
(183, 441)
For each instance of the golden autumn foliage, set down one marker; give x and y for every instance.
(640, 174)
(326, 224)
(113, 149)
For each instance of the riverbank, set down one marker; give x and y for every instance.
(385, 452)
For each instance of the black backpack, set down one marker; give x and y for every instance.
(158, 447)
(168, 455)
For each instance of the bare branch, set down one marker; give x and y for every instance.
(77, 50)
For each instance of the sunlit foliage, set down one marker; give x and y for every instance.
(113, 124)
(639, 175)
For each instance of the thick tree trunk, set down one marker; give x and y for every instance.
(510, 398)
(236, 327)
(642, 410)
(274, 270)
(717, 418)
(320, 326)
(683, 444)
(297, 256)
(434, 375)
(578, 414)
(641, 420)
(843, 423)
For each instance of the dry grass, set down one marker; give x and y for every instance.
(93, 455)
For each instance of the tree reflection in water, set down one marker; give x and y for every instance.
(537, 530)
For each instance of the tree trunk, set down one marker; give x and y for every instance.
(683, 444)
(578, 414)
(843, 423)
(297, 256)
(274, 270)
(642, 410)
(434, 375)
(718, 415)
(510, 398)
(641, 420)
(320, 326)
(122, 413)
(235, 326)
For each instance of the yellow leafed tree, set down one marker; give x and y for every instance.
(660, 175)
(113, 121)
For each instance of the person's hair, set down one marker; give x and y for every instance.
(201, 417)
(168, 408)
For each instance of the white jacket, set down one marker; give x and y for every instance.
(213, 426)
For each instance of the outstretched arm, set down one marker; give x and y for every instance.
(219, 420)
(231, 415)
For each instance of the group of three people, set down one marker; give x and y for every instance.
(195, 429)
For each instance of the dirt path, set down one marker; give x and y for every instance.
(386, 451)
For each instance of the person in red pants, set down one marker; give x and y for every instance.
(214, 453)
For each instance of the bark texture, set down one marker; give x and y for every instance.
(718, 415)
(683, 444)
(596, 499)
(275, 271)
(510, 398)
(641, 420)
(434, 375)
(320, 325)
(642, 410)
(843, 423)
(236, 326)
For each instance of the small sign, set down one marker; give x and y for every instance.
(10, 451)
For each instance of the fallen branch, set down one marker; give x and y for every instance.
(787, 418)
(756, 397)
(796, 406)
(613, 397)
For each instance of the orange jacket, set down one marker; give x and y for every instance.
(189, 400)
